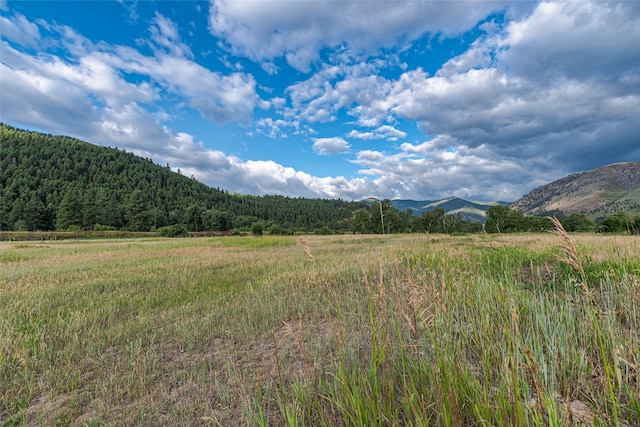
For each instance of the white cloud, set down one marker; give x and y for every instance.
(383, 132)
(361, 135)
(390, 133)
(268, 177)
(581, 40)
(531, 98)
(561, 116)
(465, 172)
(356, 88)
(219, 98)
(330, 146)
(54, 103)
(269, 68)
(97, 70)
(19, 30)
(440, 142)
(298, 30)
(276, 128)
(164, 33)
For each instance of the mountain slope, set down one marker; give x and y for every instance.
(54, 182)
(596, 193)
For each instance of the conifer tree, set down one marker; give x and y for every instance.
(69, 214)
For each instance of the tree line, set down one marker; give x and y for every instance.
(502, 219)
(383, 218)
(59, 183)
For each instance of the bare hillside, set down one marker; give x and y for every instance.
(595, 193)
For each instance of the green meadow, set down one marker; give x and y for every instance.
(341, 330)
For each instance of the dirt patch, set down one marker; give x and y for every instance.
(48, 409)
(581, 413)
(536, 274)
(291, 349)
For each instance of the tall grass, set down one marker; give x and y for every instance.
(449, 348)
(332, 330)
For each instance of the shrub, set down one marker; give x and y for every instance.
(324, 231)
(257, 228)
(177, 230)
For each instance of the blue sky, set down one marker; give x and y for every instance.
(484, 100)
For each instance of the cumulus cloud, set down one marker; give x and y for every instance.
(356, 88)
(529, 101)
(581, 40)
(268, 177)
(557, 111)
(436, 173)
(330, 146)
(219, 98)
(383, 132)
(164, 34)
(55, 104)
(269, 67)
(96, 70)
(524, 105)
(276, 128)
(299, 30)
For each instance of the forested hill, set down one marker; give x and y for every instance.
(58, 183)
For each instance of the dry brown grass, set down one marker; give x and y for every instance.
(570, 253)
(306, 247)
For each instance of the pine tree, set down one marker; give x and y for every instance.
(69, 214)
(35, 213)
(136, 212)
(89, 213)
(16, 216)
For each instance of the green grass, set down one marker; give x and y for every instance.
(390, 330)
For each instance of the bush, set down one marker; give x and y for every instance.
(257, 228)
(324, 231)
(173, 231)
(276, 230)
(578, 223)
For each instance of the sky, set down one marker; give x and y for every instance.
(483, 100)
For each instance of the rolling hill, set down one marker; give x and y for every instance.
(595, 193)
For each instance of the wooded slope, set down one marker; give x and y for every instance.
(54, 182)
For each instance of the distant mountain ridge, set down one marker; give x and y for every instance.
(470, 210)
(596, 193)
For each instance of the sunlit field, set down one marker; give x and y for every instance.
(415, 330)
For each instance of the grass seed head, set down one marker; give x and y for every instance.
(307, 248)
(569, 250)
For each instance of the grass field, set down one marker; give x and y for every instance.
(413, 330)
